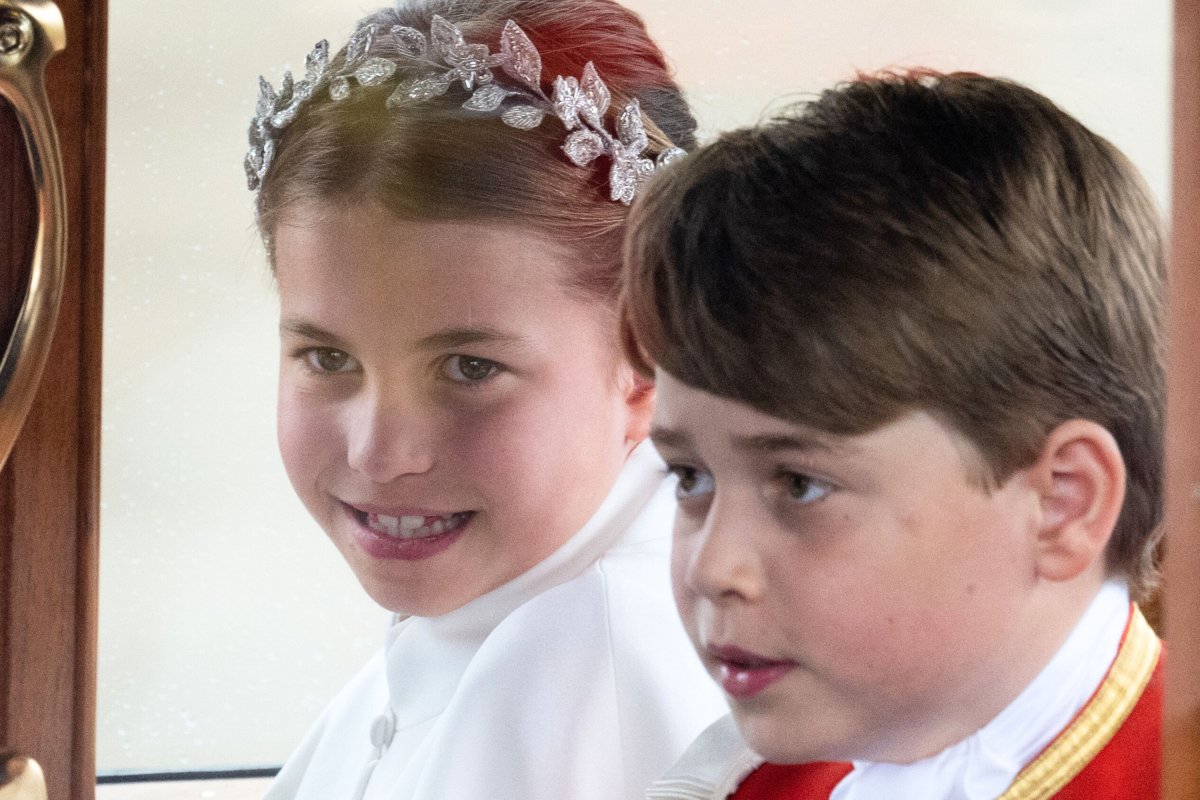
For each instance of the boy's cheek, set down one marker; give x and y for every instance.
(685, 598)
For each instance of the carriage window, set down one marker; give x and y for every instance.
(227, 619)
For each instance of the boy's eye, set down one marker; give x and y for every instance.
(469, 369)
(805, 488)
(691, 481)
(327, 359)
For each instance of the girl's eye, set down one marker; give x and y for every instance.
(469, 369)
(691, 481)
(805, 488)
(327, 359)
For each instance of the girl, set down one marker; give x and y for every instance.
(443, 202)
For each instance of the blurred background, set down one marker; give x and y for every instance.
(227, 619)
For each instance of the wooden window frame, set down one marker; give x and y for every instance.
(49, 489)
(1182, 579)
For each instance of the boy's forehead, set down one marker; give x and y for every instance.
(685, 414)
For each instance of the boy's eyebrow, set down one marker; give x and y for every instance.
(761, 443)
(668, 437)
(775, 443)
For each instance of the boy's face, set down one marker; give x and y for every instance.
(856, 597)
(448, 411)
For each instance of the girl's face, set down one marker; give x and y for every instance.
(448, 411)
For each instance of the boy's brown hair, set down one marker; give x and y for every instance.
(951, 243)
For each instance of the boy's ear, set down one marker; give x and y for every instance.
(639, 400)
(1080, 477)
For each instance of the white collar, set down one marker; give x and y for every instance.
(984, 764)
(427, 656)
(711, 769)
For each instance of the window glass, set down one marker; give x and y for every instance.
(227, 620)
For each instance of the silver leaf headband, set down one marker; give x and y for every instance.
(579, 103)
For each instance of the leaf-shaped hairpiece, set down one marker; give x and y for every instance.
(375, 71)
(266, 99)
(567, 100)
(486, 98)
(446, 36)
(410, 41)
(425, 89)
(597, 95)
(316, 63)
(584, 147)
(521, 58)
(631, 129)
(525, 118)
(627, 174)
(360, 44)
(433, 64)
(339, 88)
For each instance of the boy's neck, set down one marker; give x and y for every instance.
(984, 763)
(1051, 615)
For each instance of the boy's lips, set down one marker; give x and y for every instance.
(743, 674)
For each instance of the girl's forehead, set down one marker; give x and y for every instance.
(366, 264)
(363, 235)
(373, 221)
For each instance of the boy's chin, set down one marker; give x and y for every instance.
(782, 739)
(798, 738)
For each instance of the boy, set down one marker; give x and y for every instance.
(908, 353)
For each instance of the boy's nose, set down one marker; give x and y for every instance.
(386, 440)
(721, 562)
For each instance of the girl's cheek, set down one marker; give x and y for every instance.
(304, 433)
(485, 437)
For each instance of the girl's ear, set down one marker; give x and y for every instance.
(639, 401)
(1080, 476)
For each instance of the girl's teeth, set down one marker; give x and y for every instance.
(412, 526)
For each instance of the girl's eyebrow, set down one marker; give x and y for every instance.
(307, 330)
(442, 340)
(458, 337)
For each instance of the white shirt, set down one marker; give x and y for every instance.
(980, 767)
(573, 681)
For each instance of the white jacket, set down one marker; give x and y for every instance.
(574, 681)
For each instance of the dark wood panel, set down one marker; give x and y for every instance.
(16, 231)
(49, 488)
(16, 236)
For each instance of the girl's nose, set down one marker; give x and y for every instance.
(721, 562)
(386, 439)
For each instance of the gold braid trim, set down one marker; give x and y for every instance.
(1099, 720)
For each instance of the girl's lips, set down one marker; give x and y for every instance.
(406, 535)
(743, 674)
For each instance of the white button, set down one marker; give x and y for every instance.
(382, 730)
